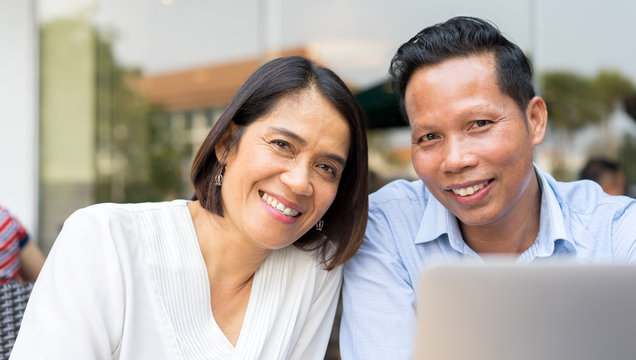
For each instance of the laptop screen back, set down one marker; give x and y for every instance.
(527, 312)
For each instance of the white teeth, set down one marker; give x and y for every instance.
(279, 206)
(470, 189)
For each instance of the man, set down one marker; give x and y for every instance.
(607, 174)
(467, 94)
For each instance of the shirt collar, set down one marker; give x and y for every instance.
(552, 229)
(437, 221)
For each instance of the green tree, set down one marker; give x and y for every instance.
(611, 88)
(136, 159)
(575, 101)
(571, 100)
(627, 161)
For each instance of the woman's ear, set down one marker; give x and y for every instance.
(537, 115)
(221, 149)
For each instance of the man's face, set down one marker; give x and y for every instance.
(471, 144)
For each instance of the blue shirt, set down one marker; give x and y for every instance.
(409, 230)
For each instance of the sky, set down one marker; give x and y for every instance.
(356, 38)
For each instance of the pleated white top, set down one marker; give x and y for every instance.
(129, 282)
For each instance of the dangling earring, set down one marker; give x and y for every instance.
(319, 225)
(218, 178)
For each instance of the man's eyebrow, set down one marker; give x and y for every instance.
(303, 142)
(423, 127)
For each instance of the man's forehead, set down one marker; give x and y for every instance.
(453, 65)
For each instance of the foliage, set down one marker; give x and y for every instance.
(611, 87)
(165, 158)
(575, 101)
(627, 159)
(630, 106)
(142, 162)
(570, 100)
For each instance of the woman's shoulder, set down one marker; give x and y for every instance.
(108, 208)
(122, 221)
(107, 212)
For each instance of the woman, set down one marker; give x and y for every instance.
(250, 269)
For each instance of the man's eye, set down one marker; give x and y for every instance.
(481, 123)
(426, 138)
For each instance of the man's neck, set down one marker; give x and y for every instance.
(512, 233)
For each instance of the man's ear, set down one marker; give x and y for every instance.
(221, 149)
(537, 115)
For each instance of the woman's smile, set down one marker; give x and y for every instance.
(278, 205)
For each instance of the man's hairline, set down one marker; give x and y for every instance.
(493, 61)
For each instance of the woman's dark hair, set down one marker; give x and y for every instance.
(346, 218)
(464, 36)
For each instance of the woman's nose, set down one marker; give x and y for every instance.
(297, 179)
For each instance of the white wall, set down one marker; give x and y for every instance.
(18, 111)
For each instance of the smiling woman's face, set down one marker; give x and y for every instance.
(284, 174)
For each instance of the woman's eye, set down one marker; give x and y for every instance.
(328, 169)
(281, 144)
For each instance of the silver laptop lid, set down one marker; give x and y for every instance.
(515, 312)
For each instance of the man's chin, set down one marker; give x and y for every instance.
(475, 217)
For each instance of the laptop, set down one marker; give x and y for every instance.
(515, 312)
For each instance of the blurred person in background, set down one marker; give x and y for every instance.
(467, 93)
(606, 173)
(20, 258)
(249, 269)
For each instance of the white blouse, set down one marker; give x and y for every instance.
(129, 282)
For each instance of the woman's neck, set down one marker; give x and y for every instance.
(231, 261)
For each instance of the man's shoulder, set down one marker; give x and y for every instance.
(399, 192)
(593, 217)
(600, 226)
(586, 197)
(399, 208)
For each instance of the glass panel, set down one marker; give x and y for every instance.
(129, 89)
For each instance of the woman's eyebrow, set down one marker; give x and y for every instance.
(339, 159)
(291, 134)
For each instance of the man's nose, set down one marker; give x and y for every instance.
(459, 154)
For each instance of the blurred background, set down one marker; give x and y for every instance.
(107, 100)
